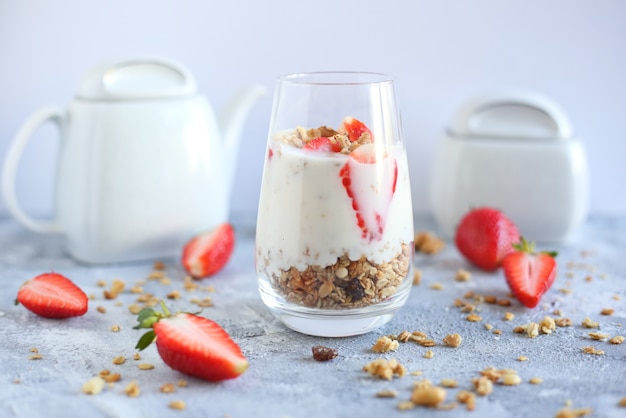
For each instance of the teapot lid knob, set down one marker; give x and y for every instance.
(137, 79)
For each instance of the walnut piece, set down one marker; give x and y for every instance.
(547, 325)
(598, 336)
(592, 350)
(385, 344)
(385, 369)
(563, 322)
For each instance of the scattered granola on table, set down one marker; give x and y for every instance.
(428, 243)
(592, 350)
(462, 275)
(132, 389)
(178, 405)
(93, 386)
(453, 340)
(385, 344)
(567, 412)
(385, 369)
(387, 393)
(588, 323)
(425, 394)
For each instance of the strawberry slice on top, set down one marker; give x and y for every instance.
(323, 144)
(354, 128)
(529, 274)
(53, 295)
(370, 182)
(192, 344)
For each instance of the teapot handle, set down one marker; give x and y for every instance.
(11, 163)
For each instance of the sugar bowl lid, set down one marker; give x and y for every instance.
(511, 114)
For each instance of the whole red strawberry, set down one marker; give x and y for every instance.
(207, 253)
(529, 274)
(485, 236)
(52, 295)
(192, 344)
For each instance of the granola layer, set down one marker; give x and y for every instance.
(347, 284)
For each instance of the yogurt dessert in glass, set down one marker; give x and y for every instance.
(334, 238)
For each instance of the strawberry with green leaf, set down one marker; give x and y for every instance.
(192, 344)
(528, 273)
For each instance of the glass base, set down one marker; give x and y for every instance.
(332, 326)
(333, 323)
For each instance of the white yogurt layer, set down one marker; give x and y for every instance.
(306, 216)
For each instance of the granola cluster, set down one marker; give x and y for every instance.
(302, 136)
(347, 284)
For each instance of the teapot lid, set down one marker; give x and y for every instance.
(137, 79)
(512, 114)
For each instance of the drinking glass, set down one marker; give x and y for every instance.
(334, 239)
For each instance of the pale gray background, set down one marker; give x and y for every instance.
(440, 53)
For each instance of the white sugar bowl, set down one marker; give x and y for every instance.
(515, 151)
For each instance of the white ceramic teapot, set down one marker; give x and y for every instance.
(143, 165)
(513, 150)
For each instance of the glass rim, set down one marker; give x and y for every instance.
(335, 78)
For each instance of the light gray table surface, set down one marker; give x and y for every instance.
(283, 380)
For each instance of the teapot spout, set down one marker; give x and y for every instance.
(231, 121)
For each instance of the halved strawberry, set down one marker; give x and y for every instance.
(52, 295)
(323, 144)
(192, 344)
(484, 237)
(370, 182)
(529, 274)
(207, 253)
(354, 128)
